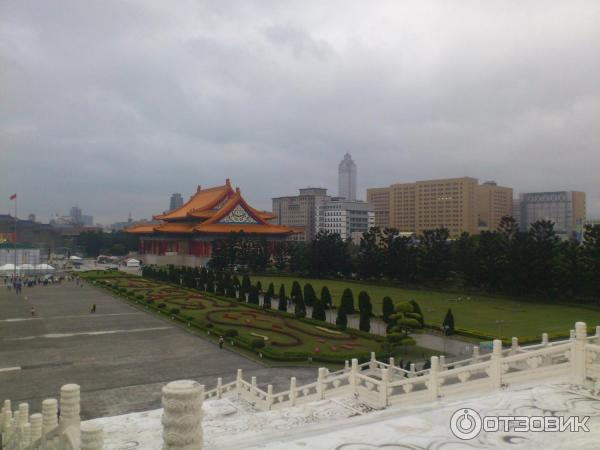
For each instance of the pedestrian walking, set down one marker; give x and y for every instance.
(93, 310)
(32, 311)
(221, 342)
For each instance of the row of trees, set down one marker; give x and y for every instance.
(117, 243)
(531, 264)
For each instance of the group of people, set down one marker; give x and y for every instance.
(17, 283)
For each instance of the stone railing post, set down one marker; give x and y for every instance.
(219, 387)
(69, 408)
(475, 353)
(373, 362)
(496, 365)
(413, 370)
(392, 362)
(544, 339)
(6, 416)
(182, 415)
(353, 373)
(384, 387)
(597, 339)
(49, 415)
(238, 383)
(442, 362)
(253, 383)
(36, 426)
(320, 382)
(269, 397)
(293, 391)
(25, 432)
(572, 334)
(92, 436)
(578, 353)
(514, 346)
(434, 382)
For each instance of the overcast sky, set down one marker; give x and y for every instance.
(114, 105)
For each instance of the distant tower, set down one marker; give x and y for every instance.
(347, 178)
(176, 202)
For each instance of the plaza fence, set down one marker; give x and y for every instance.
(376, 383)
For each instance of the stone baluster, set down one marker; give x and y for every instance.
(597, 336)
(578, 353)
(384, 387)
(413, 370)
(7, 416)
(496, 365)
(92, 436)
(373, 362)
(434, 382)
(572, 334)
(69, 407)
(25, 432)
(23, 414)
(475, 353)
(544, 339)
(269, 396)
(238, 382)
(320, 382)
(293, 391)
(182, 415)
(442, 362)
(49, 415)
(392, 362)
(219, 387)
(346, 365)
(353, 373)
(514, 347)
(253, 382)
(36, 426)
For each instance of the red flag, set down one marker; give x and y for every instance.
(14, 196)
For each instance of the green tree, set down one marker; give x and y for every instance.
(369, 261)
(364, 322)
(387, 308)
(267, 298)
(318, 312)
(309, 295)
(347, 302)
(434, 255)
(296, 294)
(404, 320)
(245, 287)
(326, 297)
(253, 295)
(364, 303)
(271, 290)
(342, 319)
(282, 303)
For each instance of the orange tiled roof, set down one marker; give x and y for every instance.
(211, 208)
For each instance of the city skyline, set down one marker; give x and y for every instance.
(129, 121)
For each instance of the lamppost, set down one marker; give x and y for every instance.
(446, 328)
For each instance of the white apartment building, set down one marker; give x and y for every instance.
(344, 217)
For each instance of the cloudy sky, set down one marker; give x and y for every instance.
(113, 105)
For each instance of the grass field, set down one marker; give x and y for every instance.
(471, 312)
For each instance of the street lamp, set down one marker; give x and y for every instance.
(446, 328)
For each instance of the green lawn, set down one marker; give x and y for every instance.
(471, 312)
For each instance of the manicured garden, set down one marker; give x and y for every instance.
(484, 315)
(268, 333)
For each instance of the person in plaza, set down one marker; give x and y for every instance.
(32, 311)
(221, 342)
(93, 310)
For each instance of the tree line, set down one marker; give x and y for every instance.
(533, 264)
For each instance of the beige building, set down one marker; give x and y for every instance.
(457, 204)
(493, 203)
(300, 211)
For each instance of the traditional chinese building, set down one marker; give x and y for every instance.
(185, 235)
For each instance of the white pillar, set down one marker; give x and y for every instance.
(23, 413)
(496, 364)
(514, 347)
(597, 340)
(253, 382)
(92, 436)
(578, 353)
(320, 380)
(36, 426)
(572, 334)
(392, 362)
(353, 373)
(69, 407)
(384, 387)
(434, 384)
(293, 391)
(544, 339)
(219, 387)
(475, 353)
(346, 365)
(442, 362)
(269, 396)
(238, 382)
(373, 362)
(182, 415)
(49, 415)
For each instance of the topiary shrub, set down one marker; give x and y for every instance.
(174, 311)
(140, 297)
(209, 325)
(150, 301)
(161, 305)
(231, 333)
(257, 343)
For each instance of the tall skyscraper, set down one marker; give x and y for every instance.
(347, 178)
(176, 202)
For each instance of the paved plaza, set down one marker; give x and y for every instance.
(120, 356)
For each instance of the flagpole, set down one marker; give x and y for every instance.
(15, 238)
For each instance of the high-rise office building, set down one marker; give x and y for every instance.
(176, 201)
(75, 215)
(458, 204)
(299, 211)
(565, 208)
(347, 178)
(345, 217)
(493, 203)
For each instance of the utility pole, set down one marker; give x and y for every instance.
(14, 197)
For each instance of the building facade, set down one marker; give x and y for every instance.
(567, 209)
(425, 205)
(347, 218)
(493, 203)
(298, 211)
(176, 201)
(347, 178)
(184, 236)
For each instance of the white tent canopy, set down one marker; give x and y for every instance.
(131, 262)
(73, 257)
